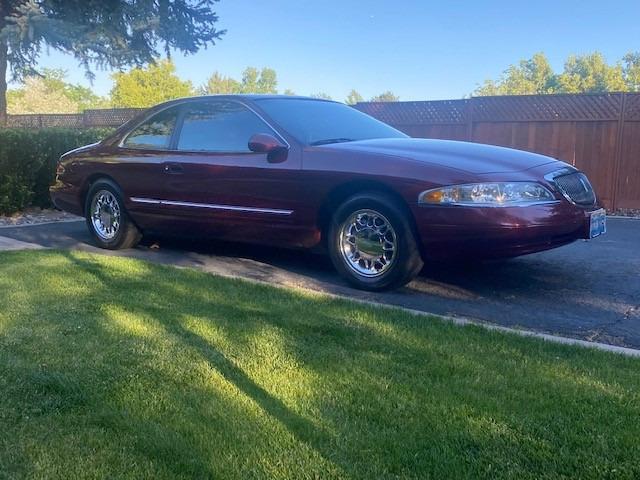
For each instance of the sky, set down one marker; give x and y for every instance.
(420, 50)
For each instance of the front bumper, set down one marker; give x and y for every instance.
(493, 232)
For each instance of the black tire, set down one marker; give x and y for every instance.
(126, 235)
(406, 261)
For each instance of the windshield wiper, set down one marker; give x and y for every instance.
(331, 140)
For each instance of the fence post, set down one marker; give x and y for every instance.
(470, 119)
(618, 152)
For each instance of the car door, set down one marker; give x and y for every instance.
(140, 167)
(224, 189)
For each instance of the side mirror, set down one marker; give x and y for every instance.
(264, 143)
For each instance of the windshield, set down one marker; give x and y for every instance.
(317, 122)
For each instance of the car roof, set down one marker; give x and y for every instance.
(243, 96)
(254, 96)
(234, 96)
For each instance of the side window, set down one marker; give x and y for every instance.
(156, 132)
(219, 127)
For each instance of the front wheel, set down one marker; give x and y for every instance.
(107, 220)
(372, 244)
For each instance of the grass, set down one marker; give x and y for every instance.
(115, 368)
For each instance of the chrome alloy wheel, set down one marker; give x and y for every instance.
(368, 243)
(105, 215)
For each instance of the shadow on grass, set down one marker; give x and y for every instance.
(389, 394)
(301, 428)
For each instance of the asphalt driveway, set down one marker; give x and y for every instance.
(588, 290)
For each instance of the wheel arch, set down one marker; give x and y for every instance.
(342, 192)
(89, 181)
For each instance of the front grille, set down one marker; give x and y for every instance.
(576, 187)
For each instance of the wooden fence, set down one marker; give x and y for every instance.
(113, 117)
(599, 133)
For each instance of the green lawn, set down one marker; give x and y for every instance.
(115, 368)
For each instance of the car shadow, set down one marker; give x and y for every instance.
(587, 290)
(553, 292)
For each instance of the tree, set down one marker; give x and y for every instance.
(581, 74)
(218, 84)
(591, 73)
(353, 98)
(145, 87)
(322, 95)
(51, 93)
(288, 91)
(36, 96)
(631, 71)
(85, 98)
(387, 96)
(532, 76)
(114, 34)
(266, 82)
(253, 81)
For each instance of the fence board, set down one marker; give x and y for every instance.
(442, 131)
(113, 117)
(595, 155)
(628, 186)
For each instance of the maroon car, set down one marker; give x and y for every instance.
(302, 172)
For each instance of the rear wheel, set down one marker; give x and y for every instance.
(372, 244)
(107, 220)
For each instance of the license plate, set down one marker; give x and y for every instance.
(598, 223)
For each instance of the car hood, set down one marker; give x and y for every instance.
(82, 149)
(470, 157)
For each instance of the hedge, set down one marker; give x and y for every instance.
(28, 162)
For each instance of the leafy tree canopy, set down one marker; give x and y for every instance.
(387, 96)
(534, 76)
(99, 33)
(253, 81)
(218, 84)
(581, 74)
(144, 87)
(51, 93)
(631, 71)
(353, 98)
(322, 95)
(590, 73)
(35, 96)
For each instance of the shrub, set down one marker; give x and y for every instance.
(28, 162)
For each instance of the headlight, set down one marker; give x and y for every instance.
(487, 194)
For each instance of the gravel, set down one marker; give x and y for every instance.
(626, 212)
(35, 216)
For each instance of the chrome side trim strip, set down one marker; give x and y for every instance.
(233, 208)
(145, 200)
